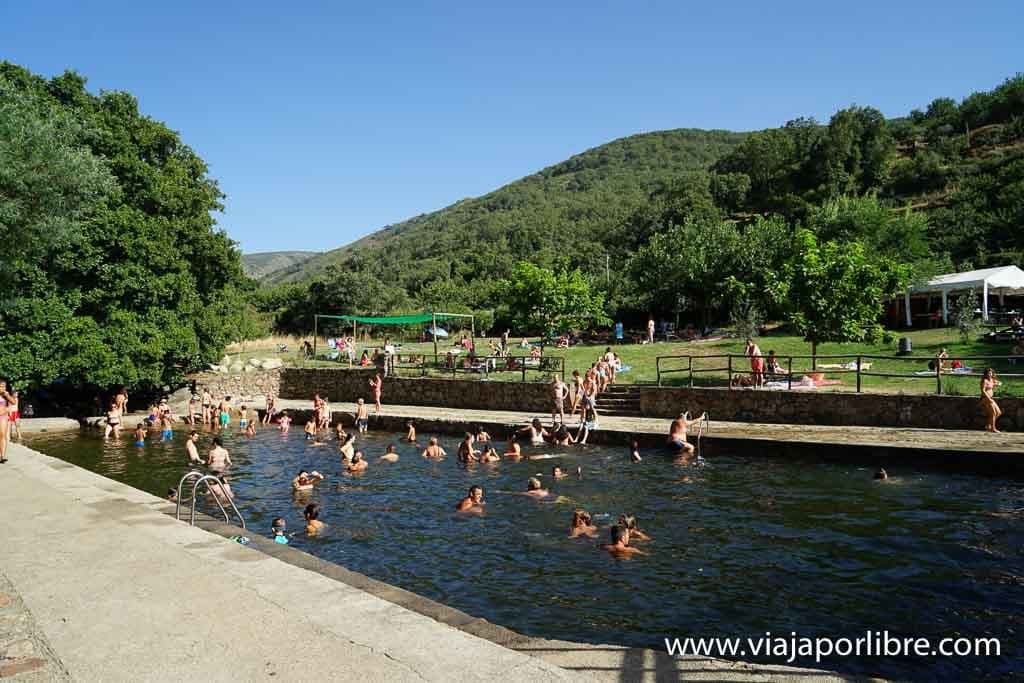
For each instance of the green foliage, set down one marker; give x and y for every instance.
(540, 300)
(834, 291)
(962, 314)
(120, 275)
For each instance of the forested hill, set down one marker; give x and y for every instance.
(264, 264)
(570, 207)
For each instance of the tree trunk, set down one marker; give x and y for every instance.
(814, 355)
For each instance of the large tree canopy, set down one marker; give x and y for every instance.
(114, 270)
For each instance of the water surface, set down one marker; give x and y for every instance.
(740, 546)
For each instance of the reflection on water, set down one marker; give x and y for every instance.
(740, 546)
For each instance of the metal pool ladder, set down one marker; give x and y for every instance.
(197, 478)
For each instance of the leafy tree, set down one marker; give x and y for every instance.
(836, 293)
(856, 152)
(962, 313)
(538, 299)
(123, 277)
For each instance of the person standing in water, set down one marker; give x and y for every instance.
(313, 524)
(992, 411)
(218, 459)
(207, 406)
(113, 421)
(192, 450)
(619, 547)
(377, 384)
(433, 450)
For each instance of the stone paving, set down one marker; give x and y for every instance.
(25, 654)
(850, 436)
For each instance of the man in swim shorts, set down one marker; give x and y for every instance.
(219, 459)
(677, 433)
(473, 502)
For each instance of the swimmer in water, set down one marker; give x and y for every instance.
(339, 432)
(557, 473)
(250, 429)
(391, 455)
(619, 548)
(466, 451)
(677, 442)
(581, 525)
(113, 420)
(167, 433)
(881, 474)
(534, 490)
(190, 448)
(482, 436)
(218, 459)
(305, 481)
(348, 448)
(489, 456)
(313, 524)
(278, 527)
(514, 452)
(140, 435)
(433, 450)
(562, 436)
(410, 434)
(284, 422)
(243, 417)
(358, 463)
(634, 452)
(310, 430)
(221, 490)
(535, 430)
(473, 502)
(628, 522)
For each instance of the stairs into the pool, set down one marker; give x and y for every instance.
(622, 400)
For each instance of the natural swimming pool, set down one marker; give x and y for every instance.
(740, 546)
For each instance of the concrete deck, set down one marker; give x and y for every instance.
(109, 587)
(975, 450)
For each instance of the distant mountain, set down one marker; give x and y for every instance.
(568, 208)
(266, 264)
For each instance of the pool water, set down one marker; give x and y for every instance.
(740, 545)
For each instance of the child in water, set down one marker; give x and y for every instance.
(278, 528)
(167, 434)
(310, 430)
(243, 417)
(140, 435)
(634, 452)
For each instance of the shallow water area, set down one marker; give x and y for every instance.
(740, 546)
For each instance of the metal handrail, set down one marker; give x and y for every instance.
(201, 478)
(855, 359)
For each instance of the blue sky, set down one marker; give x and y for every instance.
(325, 121)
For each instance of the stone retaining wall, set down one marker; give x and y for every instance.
(348, 385)
(872, 410)
(778, 407)
(239, 384)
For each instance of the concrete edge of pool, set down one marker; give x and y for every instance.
(178, 601)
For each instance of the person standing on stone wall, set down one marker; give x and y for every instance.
(377, 384)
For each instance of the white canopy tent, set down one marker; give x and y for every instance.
(1004, 280)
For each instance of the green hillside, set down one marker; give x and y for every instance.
(536, 217)
(266, 264)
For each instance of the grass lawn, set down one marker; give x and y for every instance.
(643, 370)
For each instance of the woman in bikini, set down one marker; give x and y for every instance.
(6, 400)
(992, 411)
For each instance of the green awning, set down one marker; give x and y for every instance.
(413, 319)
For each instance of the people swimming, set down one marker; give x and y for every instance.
(619, 547)
(278, 527)
(312, 515)
(391, 455)
(167, 433)
(306, 481)
(677, 441)
(557, 473)
(348, 448)
(410, 434)
(466, 452)
(218, 459)
(582, 525)
(284, 422)
(358, 463)
(309, 430)
(634, 452)
(881, 474)
(481, 435)
(473, 502)
(140, 435)
(489, 456)
(433, 450)
(534, 489)
(192, 450)
(629, 523)
(535, 430)
(221, 489)
(514, 451)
